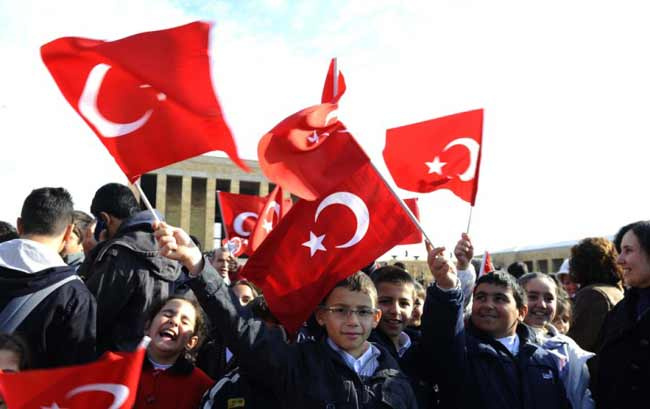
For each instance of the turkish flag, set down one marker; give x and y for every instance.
(310, 152)
(274, 209)
(416, 237)
(236, 246)
(328, 88)
(486, 265)
(443, 153)
(239, 214)
(148, 97)
(321, 242)
(110, 382)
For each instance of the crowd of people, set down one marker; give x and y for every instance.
(75, 285)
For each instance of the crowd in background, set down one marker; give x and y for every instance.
(75, 285)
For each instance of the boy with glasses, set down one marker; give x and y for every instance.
(341, 370)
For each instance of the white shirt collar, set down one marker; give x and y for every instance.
(511, 343)
(404, 343)
(365, 365)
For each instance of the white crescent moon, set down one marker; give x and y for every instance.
(276, 208)
(88, 107)
(332, 115)
(358, 207)
(238, 223)
(473, 148)
(120, 392)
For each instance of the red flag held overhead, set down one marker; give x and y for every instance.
(321, 242)
(486, 265)
(239, 214)
(148, 97)
(415, 237)
(274, 209)
(443, 153)
(310, 152)
(333, 76)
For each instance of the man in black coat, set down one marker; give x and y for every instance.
(125, 272)
(59, 312)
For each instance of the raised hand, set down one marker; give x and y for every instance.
(464, 252)
(176, 244)
(443, 270)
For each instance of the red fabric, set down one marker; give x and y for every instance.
(161, 77)
(295, 273)
(308, 153)
(274, 209)
(239, 214)
(166, 390)
(415, 237)
(443, 153)
(486, 265)
(328, 88)
(38, 389)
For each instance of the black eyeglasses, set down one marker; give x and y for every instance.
(345, 312)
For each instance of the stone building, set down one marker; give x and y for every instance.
(185, 192)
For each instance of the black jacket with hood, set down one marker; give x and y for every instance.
(60, 330)
(127, 275)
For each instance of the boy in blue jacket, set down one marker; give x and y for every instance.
(492, 361)
(343, 370)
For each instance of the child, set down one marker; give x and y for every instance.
(395, 291)
(341, 370)
(418, 305)
(169, 378)
(563, 316)
(14, 356)
(492, 361)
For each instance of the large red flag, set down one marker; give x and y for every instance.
(443, 153)
(274, 209)
(328, 88)
(416, 236)
(111, 382)
(310, 152)
(148, 97)
(323, 241)
(239, 213)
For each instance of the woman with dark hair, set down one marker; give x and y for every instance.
(593, 266)
(622, 367)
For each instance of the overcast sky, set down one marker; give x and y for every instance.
(564, 85)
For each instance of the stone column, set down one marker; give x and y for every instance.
(186, 202)
(161, 193)
(234, 186)
(210, 203)
(264, 188)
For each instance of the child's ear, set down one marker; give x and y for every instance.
(320, 316)
(192, 343)
(523, 311)
(376, 318)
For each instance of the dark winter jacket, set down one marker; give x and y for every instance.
(234, 390)
(61, 329)
(127, 275)
(306, 375)
(479, 372)
(621, 378)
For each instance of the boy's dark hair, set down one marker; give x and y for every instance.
(116, 200)
(7, 232)
(400, 265)
(260, 309)
(46, 211)
(81, 221)
(517, 269)
(641, 230)
(356, 282)
(593, 261)
(392, 274)
(504, 279)
(199, 325)
(15, 344)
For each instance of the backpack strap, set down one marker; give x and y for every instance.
(19, 308)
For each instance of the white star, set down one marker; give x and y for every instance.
(315, 243)
(435, 166)
(54, 405)
(267, 226)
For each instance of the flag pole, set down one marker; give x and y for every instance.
(414, 219)
(225, 231)
(469, 219)
(146, 201)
